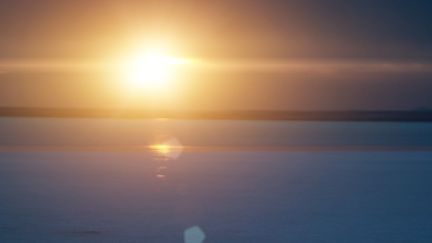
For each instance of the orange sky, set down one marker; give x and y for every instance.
(361, 55)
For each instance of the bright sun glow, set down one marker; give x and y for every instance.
(152, 70)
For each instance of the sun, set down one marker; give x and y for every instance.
(152, 70)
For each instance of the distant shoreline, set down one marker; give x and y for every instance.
(197, 149)
(387, 116)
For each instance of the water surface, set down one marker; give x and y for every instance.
(247, 194)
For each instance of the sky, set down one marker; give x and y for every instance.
(277, 55)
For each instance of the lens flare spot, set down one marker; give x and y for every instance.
(194, 235)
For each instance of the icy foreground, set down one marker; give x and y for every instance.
(233, 197)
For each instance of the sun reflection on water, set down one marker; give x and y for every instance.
(165, 151)
(161, 149)
(169, 149)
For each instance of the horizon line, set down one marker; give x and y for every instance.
(415, 115)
